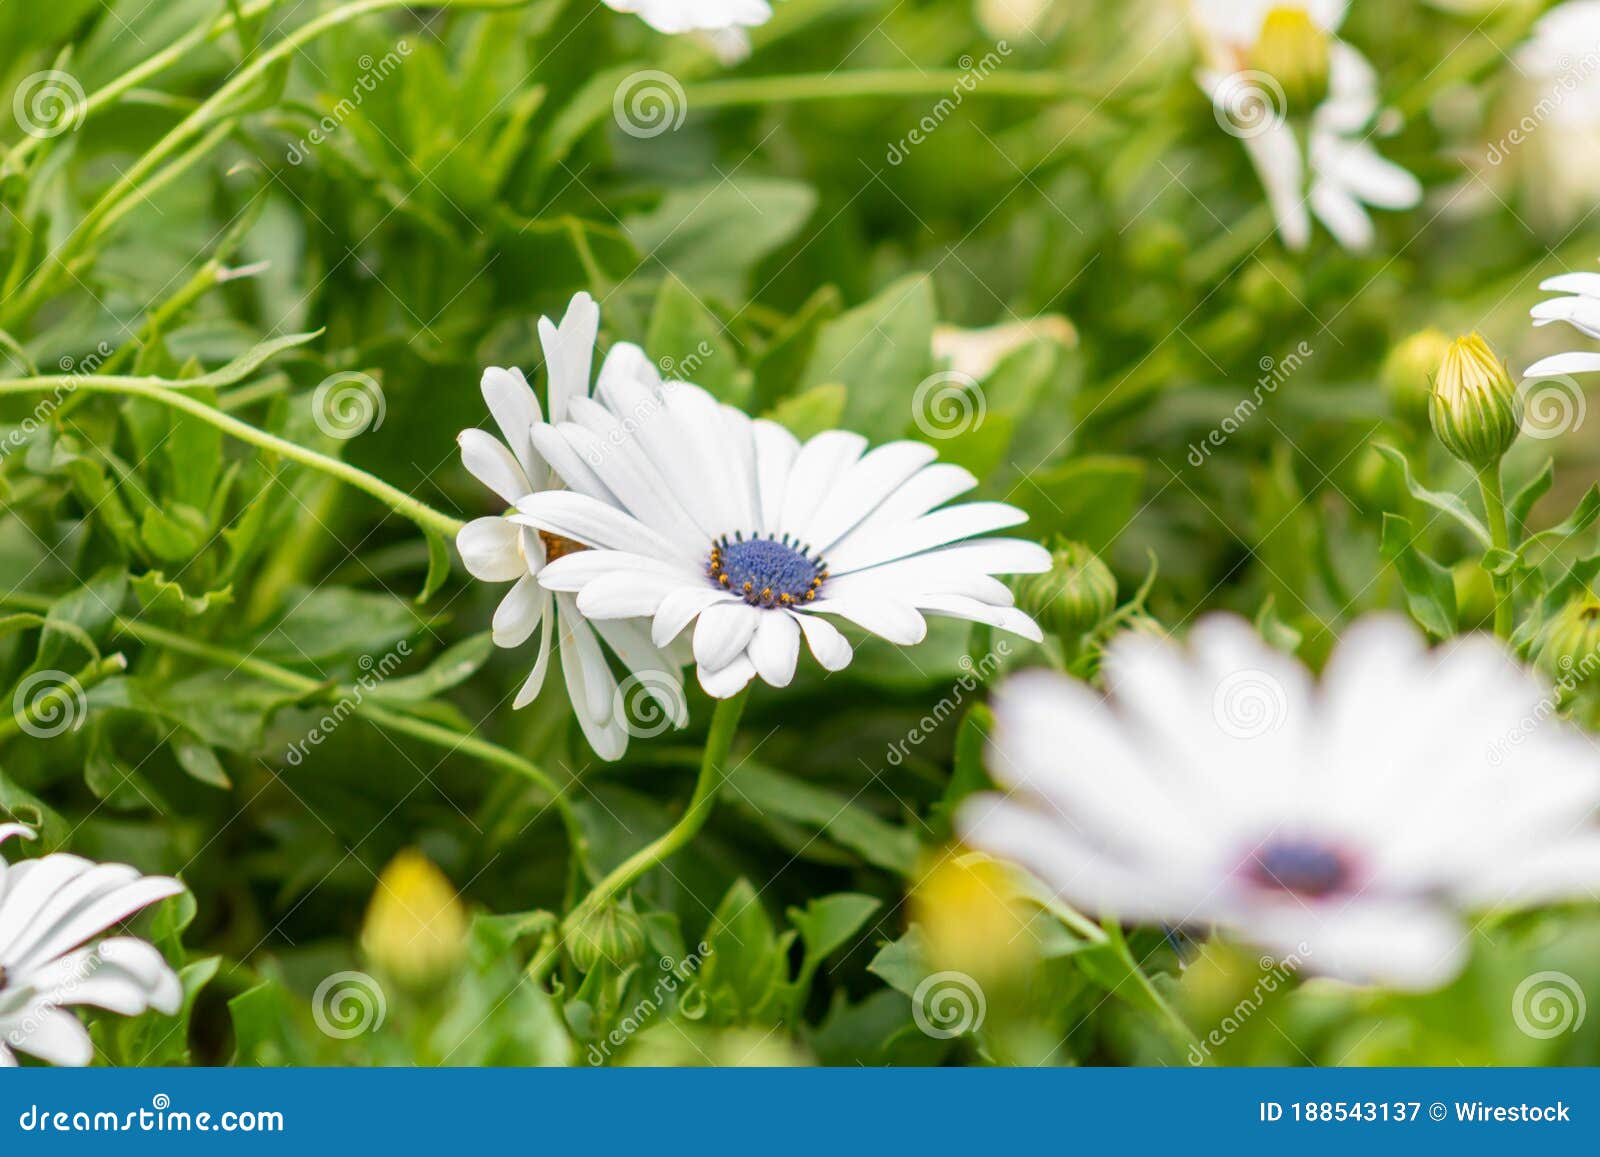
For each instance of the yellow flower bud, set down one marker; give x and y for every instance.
(416, 927)
(1408, 373)
(972, 917)
(1293, 50)
(1475, 408)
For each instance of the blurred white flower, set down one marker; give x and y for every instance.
(1346, 174)
(1220, 785)
(1579, 307)
(496, 549)
(974, 353)
(674, 16)
(1550, 116)
(697, 515)
(49, 908)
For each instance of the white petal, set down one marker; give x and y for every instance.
(730, 680)
(1342, 214)
(518, 613)
(516, 410)
(534, 683)
(723, 631)
(679, 609)
(592, 522)
(864, 487)
(958, 607)
(1569, 363)
(1585, 284)
(488, 548)
(487, 460)
(775, 648)
(1397, 943)
(569, 353)
(887, 618)
(775, 450)
(828, 646)
(822, 461)
(578, 474)
(590, 683)
(52, 1035)
(939, 528)
(1276, 156)
(626, 594)
(572, 572)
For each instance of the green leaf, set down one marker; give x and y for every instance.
(1091, 499)
(245, 364)
(811, 412)
(1430, 588)
(836, 817)
(713, 234)
(1581, 518)
(1521, 503)
(199, 761)
(438, 565)
(456, 665)
(902, 963)
(691, 345)
(87, 610)
(881, 352)
(175, 533)
(166, 599)
(779, 365)
(1274, 630)
(1451, 504)
(827, 923)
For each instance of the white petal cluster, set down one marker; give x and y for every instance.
(1578, 306)
(49, 909)
(1348, 822)
(1335, 173)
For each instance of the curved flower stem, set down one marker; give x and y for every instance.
(96, 672)
(713, 770)
(879, 83)
(1494, 507)
(430, 520)
(421, 729)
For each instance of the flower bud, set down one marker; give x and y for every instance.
(1293, 50)
(973, 920)
(1074, 596)
(416, 927)
(1475, 408)
(1408, 373)
(1569, 645)
(612, 935)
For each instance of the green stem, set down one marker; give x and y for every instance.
(430, 733)
(713, 770)
(430, 520)
(95, 672)
(1494, 508)
(209, 112)
(885, 82)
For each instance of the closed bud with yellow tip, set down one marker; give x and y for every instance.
(416, 927)
(1475, 408)
(1293, 49)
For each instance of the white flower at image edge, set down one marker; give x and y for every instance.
(1346, 172)
(675, 16)
(700, 516)
(496, 549)
(1579, 307)
(49, 908)
(1348, 826)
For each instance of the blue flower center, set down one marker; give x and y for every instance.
(766, 572)
(1303, 867)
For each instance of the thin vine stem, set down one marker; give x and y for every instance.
(430, 520)
(435, 734)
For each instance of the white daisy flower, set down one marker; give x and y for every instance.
(1552, 115)
(699, 516)
(675, 16)
(1347, 822)
(49, 908)
(495, 549)
(1579, 307)
(1346, 172)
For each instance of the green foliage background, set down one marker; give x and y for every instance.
(476, 186)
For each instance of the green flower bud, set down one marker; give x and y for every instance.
(1475, 408)
(1569, 645)
(1408, 373)
(1074, 596)
(1293, 50)
(613, 935)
